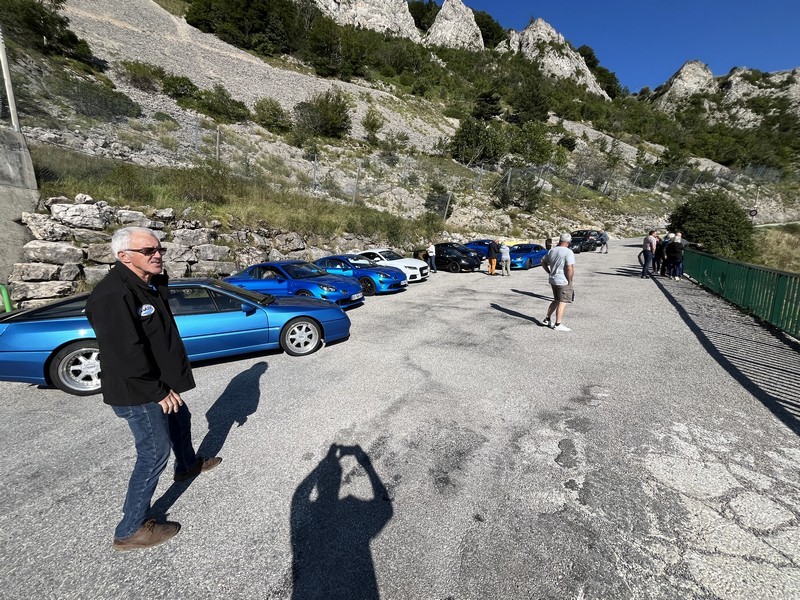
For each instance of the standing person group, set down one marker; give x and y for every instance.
(145, 369)
(559, 264)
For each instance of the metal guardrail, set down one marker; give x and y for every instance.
(771, 295)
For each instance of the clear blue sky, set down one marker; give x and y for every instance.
(646, 41)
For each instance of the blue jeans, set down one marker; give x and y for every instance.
(648, 262)
(432, 263)
(154, 434)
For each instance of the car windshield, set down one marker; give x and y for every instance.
(304, 270)
(361, 262)
(520, 248)
(249, 295)
(391, 255)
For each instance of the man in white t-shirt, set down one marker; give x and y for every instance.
(559, 263)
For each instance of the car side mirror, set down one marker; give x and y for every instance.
(248, 309)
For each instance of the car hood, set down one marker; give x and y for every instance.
(337, 280)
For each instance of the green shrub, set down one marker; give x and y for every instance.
(143, 76)
(179, 87)
(715, 220)
(268, 113)
(372, 123)
(96, 101)
(325, 115)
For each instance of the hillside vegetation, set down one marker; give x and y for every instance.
(387, 135)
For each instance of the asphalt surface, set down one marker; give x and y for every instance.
(651, 452)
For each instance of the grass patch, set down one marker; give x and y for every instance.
(779, 247)
(176, 7)
(213, 192)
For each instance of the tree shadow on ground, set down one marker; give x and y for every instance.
(239, 400)
(331, 557)
(765, 361)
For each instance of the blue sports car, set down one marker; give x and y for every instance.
(299, 278)
(481, 246)
(525, 256)
(55, 345)
(374, 278)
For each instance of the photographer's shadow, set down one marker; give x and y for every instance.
(238, 401)
(331, 535)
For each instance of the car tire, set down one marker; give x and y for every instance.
(528, 264)
(301, 336)
(305, 294)
(454, 267)
(367, 285)
(75, 369)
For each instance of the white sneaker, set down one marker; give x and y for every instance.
(546, 322)
(561, 327)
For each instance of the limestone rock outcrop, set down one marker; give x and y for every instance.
(391, 16)
(455, 27)
(541, 43)
(728, 98)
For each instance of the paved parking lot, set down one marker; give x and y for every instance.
(650, 453)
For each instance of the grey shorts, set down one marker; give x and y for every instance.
(563, 293)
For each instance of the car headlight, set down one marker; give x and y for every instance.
(384, 276)
(410, 268)
(327, 288)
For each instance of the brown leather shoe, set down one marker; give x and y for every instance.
(148, 535)
(201, 465)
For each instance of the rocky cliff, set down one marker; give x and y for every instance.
(391, 16)
(731, 98)
(541, 43)
(455, 27)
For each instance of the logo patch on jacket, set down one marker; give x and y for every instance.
(145, 310)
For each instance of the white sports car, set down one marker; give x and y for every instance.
(415, 269)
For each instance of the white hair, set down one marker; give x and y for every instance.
(121, 240)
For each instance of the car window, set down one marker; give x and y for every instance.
(392, 255)
(226, 303)
(371, 255)
(326, 263)
(303, 270)
(190, 301)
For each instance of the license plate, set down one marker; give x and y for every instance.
(357, 296)
(404, 282)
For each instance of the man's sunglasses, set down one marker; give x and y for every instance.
(148, 251)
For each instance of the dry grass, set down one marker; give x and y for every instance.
(779, 247)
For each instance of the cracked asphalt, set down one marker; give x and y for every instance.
(651, 452)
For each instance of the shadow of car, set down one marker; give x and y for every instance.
(299, 278)
(374, 278)
(54, 344)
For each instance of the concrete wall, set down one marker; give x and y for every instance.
(18, 194)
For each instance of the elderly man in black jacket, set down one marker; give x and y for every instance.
(144, 371)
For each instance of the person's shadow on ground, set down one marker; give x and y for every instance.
(238, 401)
(331, 536)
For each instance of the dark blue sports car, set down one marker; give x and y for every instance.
(481, 246)
(374, 278)
(525, 256)
(299, 278)
(55, 345)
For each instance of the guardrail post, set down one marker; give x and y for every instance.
(778, 301)
(5, 298)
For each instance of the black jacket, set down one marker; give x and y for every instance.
(142, 356)
(493, 250)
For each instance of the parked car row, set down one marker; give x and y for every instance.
(293, 305)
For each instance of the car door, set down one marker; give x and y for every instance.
(212, 323)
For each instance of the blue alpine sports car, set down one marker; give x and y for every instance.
(525, 256)
(374, 278)
(55, 345)
(299, 278)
